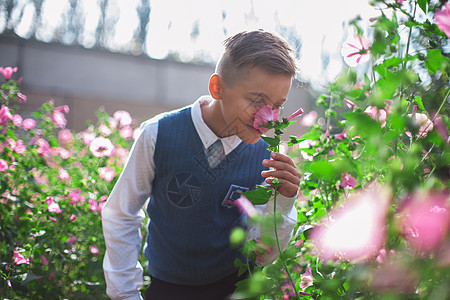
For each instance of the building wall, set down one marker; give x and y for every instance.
(90, 79)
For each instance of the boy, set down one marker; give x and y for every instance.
(191, 192)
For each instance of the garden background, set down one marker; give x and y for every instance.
(374, 212)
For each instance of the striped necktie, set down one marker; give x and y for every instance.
(215, 153)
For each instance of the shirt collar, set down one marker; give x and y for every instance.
(207, 136)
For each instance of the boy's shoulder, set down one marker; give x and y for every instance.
(155, 120)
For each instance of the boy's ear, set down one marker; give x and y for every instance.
(215, 86)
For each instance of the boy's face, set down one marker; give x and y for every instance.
(240, 102)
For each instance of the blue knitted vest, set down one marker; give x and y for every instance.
(191, 207)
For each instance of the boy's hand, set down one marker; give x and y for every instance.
(285, 170)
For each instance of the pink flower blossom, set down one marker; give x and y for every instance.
(93, 205)
(65, 137)
(104, 130)
(75, 196)
(306, 279)
(43, 147)
(101, 147)
(3, 165)
(72, 240)
(22, 98)
(309, 119)
(378, 115)
(441, 128)
(63, 174)
(126, 132)
(28, 124)
(341, 136)
(107, 173)
(355, 231)
(5, 115)
(297, 113)
(442, 19)
(20, 147)
(425, 220)
(44, 260)
(350, 104)
(356, 50)
(52, 206)
(94, 249)
(17, 120)
(246, 207)
(20, 259)
(423, 122)
(7, 72)
(58, 119)
(72, 218)
(263, 117)
(348, 181)
(54, 220)
(62, 109)
(123, 117)
(88, 137)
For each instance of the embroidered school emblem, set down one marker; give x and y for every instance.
(234, 192)
(184, 190)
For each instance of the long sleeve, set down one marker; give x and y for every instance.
(122, 218)
(286, 208)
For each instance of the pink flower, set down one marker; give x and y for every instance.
(306, 279)
(378, 115)
(246, 207)
(88, 137)
(44, 260)
(94, 250)
(107, 173)
(72, 240)
(126, 132)
(63, 174)
(22, 98)
(425, 220)
(72, 218)
(341, 136)
(355, 231)
(59, 119)
(7, 72)
(442, 19)
(348, 181)
(62, 109)
(65, 137)
(20, 147)
(423, 122)
(75, 196)
(5, 115)
(297, 113)
(441, 128)
(20, 259)
(104, 130)
(17, 120)
(101, 147)
(54, 220)
(309, 119)
(3, 165)
(263, 117)
(349, 103)
(356, 50)
(28, 124)
(123, 117)
(93, 205)
(52, 206)
(43, 147)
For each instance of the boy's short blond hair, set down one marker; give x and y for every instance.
(249, 49)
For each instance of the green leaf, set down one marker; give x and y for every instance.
(423, 5)
(272, 141)
(363, 124)
(259, 196)
(418, 101)
(435, 61)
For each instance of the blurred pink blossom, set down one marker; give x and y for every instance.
(355, 231)
(101, 147)
(356, 50)
(245, 206)
(93, 205)
(63, 153)
(20, 147)
(441, 128)
(341, 136)
(123, 117)
(383, 255)
(17, 120)
(306, 279)
(58, 119)
(44, 260)
(442, 18)
(72, 218)
(350, 104)
(5, 115)
(72, 240)
(3, 165)
(88, 137)
(423, 122)
(20, 259)
(425, 220)
(63, 174)
(75, 196)
(263, 116)
(107, 173)
(348, 181)
(52, 206)
(7, 72)
(297, 113)
(104, 130)
(65, 137)
(94, 249)
(309, 119)
(28, 124)
(54, 220)
(22, 98)
(126, 132)
(378, 115)
(43, 147)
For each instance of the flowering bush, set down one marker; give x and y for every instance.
(53, 185)
(374, 208)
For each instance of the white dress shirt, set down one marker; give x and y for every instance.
(123, 213)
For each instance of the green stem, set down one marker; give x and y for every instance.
(278, 243)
